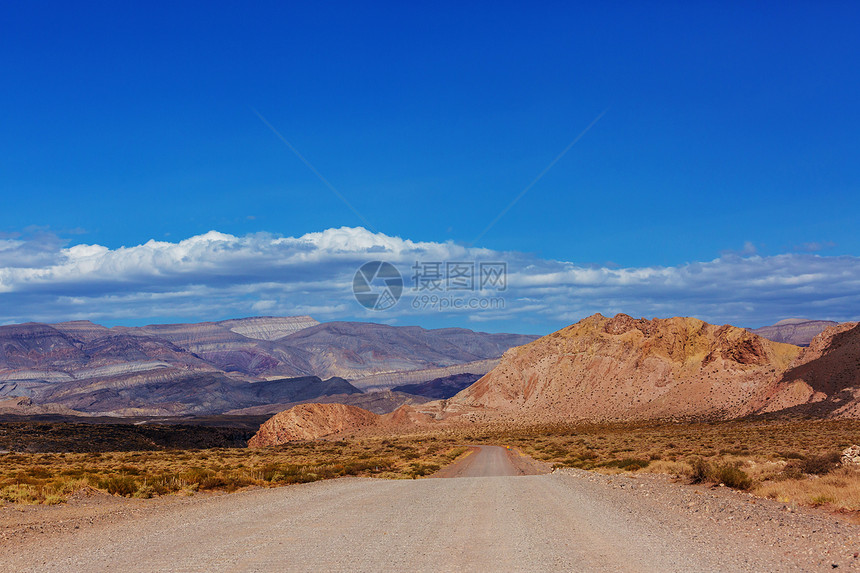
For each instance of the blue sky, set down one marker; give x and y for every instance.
(730, 134)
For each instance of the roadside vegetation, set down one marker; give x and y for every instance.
(50, 478)
(789, 461)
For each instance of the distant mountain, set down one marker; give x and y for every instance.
(391, 380)
(356, 350)
(440, 388)
(798, 331)
(379, 402)
(622, 369)
(214, 367)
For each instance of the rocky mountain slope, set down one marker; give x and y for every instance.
(213, 367)
(797, 331)
(824, 380)
(621, 368)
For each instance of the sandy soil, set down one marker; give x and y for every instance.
(566, 520)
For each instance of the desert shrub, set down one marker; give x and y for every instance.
(699, 471)
(40, 472)
(822, 499)
(53, 499)
(145, 492)
(20, 493)
(119, 485)
(455, 453)
(420, 469)
(195, 475)
(212, 481)
(731, 475)
(816, 465)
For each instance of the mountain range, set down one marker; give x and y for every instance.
(622, 369)
(215, 367)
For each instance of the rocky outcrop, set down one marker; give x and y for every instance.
(621, 368)
(312, 421)
(797, 331)
(850, 456)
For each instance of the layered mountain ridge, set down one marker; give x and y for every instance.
(214, 367)
(798, 331)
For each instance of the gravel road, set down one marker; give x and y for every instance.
(492, 461)
(568, 520)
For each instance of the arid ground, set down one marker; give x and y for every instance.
(495, 519)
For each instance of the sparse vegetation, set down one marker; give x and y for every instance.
(791, 461)
(794, 461)
(52, 477)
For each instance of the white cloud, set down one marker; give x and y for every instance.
(216, 275)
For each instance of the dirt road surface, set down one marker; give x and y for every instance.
(499, 520)
(493, 461)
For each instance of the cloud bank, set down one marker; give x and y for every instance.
(216, 275)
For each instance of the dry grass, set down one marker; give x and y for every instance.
(792, 461)
(788, 461)
(51, 478)
(839, 489)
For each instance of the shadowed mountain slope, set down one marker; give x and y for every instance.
(440, 388)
